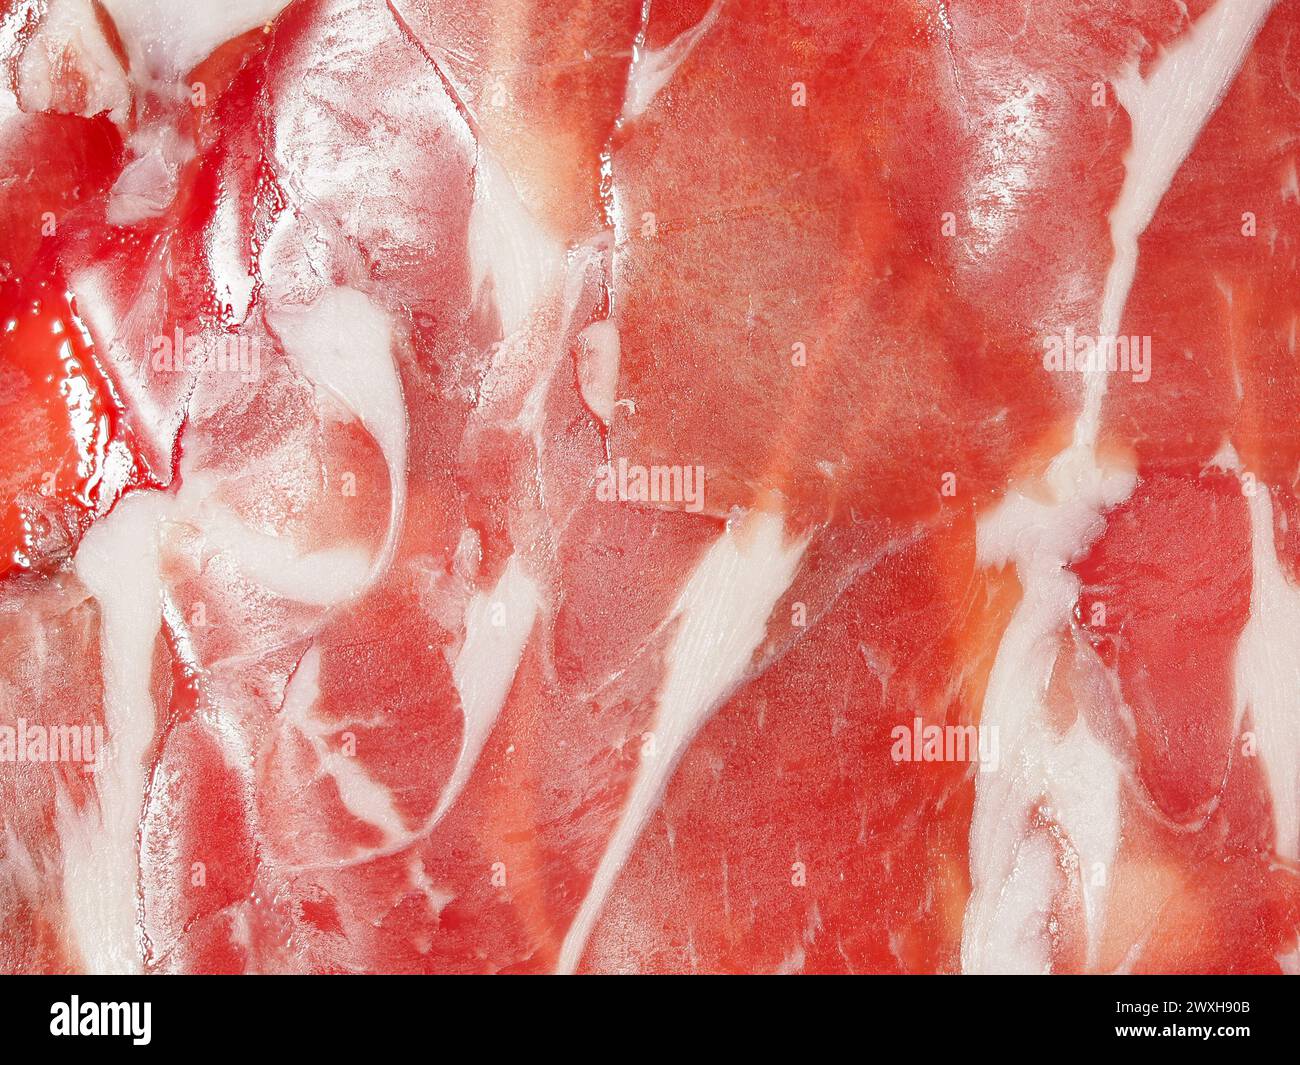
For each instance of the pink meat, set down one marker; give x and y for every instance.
(395, 668)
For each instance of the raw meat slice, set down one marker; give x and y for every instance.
(586, 487)
(50, 680)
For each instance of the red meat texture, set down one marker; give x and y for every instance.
(529, 487)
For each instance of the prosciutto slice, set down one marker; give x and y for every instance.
(742, 486)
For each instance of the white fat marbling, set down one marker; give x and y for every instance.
(497, 626)
(118, 562)
(1077, 776)
(68, 42)
(721, 616)
(598, 367)
(343, 343)
(508, 249)
(652, 69)
(165, 39)
(147, 184)
(1268, 674)
(363, 796)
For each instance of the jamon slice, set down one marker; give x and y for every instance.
(68, 457)
(1159, 698)
(47, 100)
(870, 287)
(766, 265)
(790, 839)
(66, 460)
(1166, 597)
(49, 681)
(1217, 266)
(542, 83)
(1210, 825)
(391, 683)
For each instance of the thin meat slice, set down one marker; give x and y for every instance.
(542, 86)
(791, 838)
(50, 698)
(579, 488)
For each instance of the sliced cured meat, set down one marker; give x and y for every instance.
(543, 86)
(610, 487)
(782, 284)
(71, 456)
(51, 699)
(791, 839)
